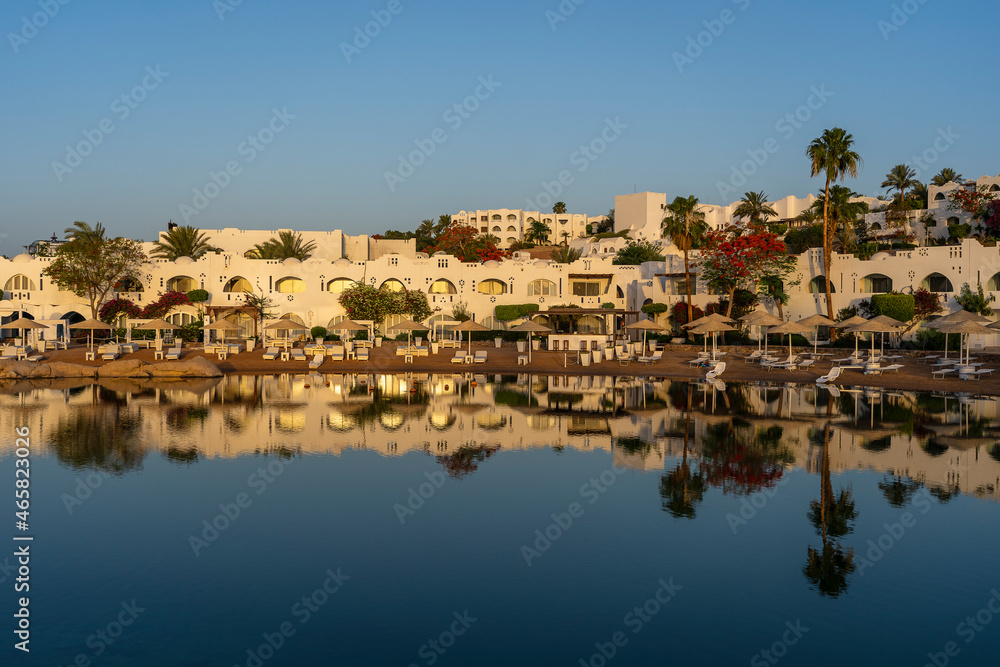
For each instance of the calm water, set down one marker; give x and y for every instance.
(502, 520)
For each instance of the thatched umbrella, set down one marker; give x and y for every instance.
(409, 326)
(953, 318)
(966, 327)
(644, 326)
(848, 324)
(790, 328)
(92, 325)
(712, 328)
(470, 326)
(348, 325)
(873, 326)
(286, 326)
(706, 319)
(530, 327)
(816, 321)
(220, 325)
(157, 325)
(762, 318)
(23, 324)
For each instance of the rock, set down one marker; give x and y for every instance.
(195, 367)
(15, 369)
(124, 368)
(61, 369)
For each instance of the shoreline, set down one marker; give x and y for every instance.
(673, 365)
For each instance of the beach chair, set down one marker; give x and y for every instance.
(298, 354)
(939, 373)
(480, 357)
(337, 353)
(317, 361)
(651, 359)
(9, 353)
(977, 374)
(752, 357)
(831, 376)
(806, 363)
(110, 352)
(173, 354)
(361, 354)
(271, 353)
(459, 358)
(788, 364)
(713, 374)
(892, 368)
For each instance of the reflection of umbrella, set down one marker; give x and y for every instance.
(286, 326)
(816, 321)
(530, 327)
(712, 328)
(790, 328)
(646, 325)
(851, 322)
(470, 326)
(22, 324)
(409, 326)
(91, 324)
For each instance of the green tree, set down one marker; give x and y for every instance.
(685, 226)
(832, 155)
(946, 175)
(559, 207)
(975, 302)
(90, 265)
(754, 208)
(182, 241)
(287, 245)
(565, 255)
(900, 178)
(607, 224)
(260, 305)
(637, 252)
(538, 232)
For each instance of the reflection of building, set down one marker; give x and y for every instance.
(946, 443)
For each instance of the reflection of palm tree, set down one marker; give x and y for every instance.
(833, 515)
(680, 490)
(898, 490)
(101, 436)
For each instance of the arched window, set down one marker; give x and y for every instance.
(995, 188)
(939, 196)
(818, 286)
(338, 285)
(876, 283)
(531, 220)
(496, 216)
(393, 285)
(547, 221)
(511, 228)
(620, 293)
(511, 240)
(238, 284)
(492, 287)
(541, 287)
(496, 228)
(442, 286)
(494, 324)
(19, 282)
(294, 318)
(544, 320)
(936, 283)
(511, 217)
(953, 220)
(590, 324)
(290, 285)
(180, 319)
(993, 284)
(182, 284)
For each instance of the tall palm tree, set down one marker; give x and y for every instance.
(565, 255)
(831, 154)
(680, 490)
(559, 207)
(901, 178)
(810, 216)
(81, 232)
(538, 232)
(946, 175)
(685, 226)
(443, 223)
(183, 241)
(286, 245)
(754, 208)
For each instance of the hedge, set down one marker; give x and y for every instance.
(900, 307)
(514, 312)
(655, 308)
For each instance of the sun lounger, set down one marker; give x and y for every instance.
(893, 368)
(361, 354)
(173, 354)
(806, 363)
(459, 358)
(928, 359)
(831, 376)
(941, 372)
(787, 364)
(977, 374)
(752, 357)
(713, 374)
(271, 353)
(9, 352)
(651, 359)
(110, 352)
(317, 361)
(337, 353)
(298, 354)
(480, 357)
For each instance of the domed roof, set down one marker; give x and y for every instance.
(23, 257)
(183, 261)
(542, 262)
(343, 261)
(491, 263)
(291, 261)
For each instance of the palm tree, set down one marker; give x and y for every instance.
(680, 490)
(443, 223)
(81, 233)
(559, 207)
(754, 208)
(845, 240)
(902, 178)
(810, 216)
(183, 241)
(287, 245)
(831, 155)
(565, 237)
(538, 232)
(565, 255)
(685, 226)
(946, 175)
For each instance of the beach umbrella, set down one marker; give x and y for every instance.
(472, 325)
(409, 326)
(952, 318)
(847, 324)
(816, 321)
(286, 326)
(790, 328)
(92, 325)
(763, 319)
(644, 326)
(530, 327)
(885, 319)
(220, 325)
(713, 328)
(706, 319)
(872, 326)
(157, 325)
(348, 325)
(23, 324)
(966, 327)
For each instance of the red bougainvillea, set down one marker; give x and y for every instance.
(467, 245)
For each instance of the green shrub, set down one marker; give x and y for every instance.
(507, 313)
(655, 308)
(318, 332)
(197, 296)
(900, 307)
(608, 306)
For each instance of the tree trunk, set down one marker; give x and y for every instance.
(687, 284)
(827, 252)
(732, 297)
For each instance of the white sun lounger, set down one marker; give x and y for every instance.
(271, 353)
(317, 361)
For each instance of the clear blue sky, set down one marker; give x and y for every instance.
(686, 126)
